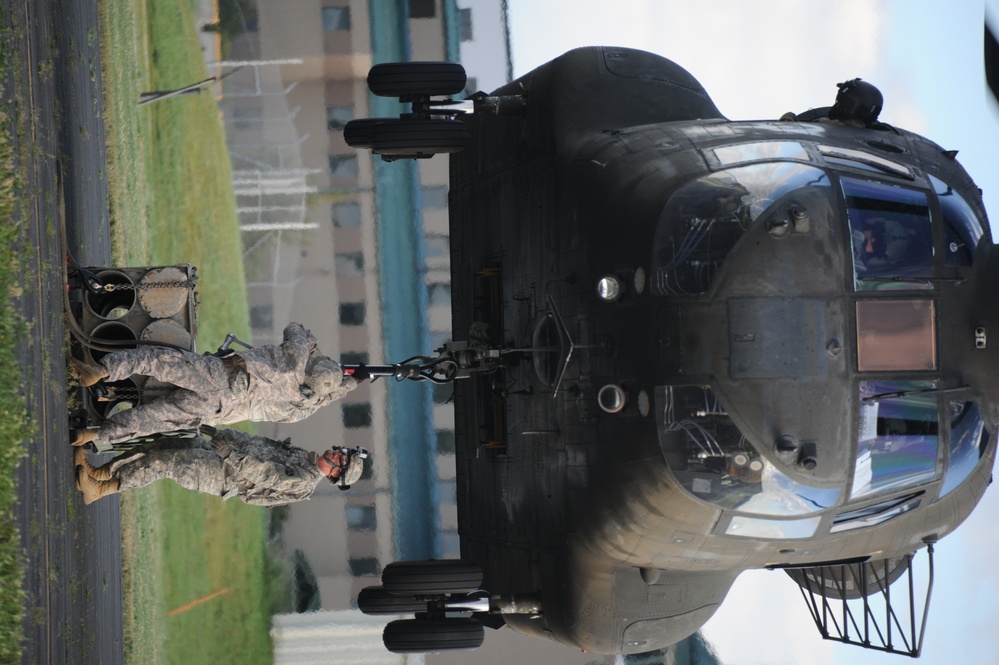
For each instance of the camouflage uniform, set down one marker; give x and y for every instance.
(258, 470)
(276, 383)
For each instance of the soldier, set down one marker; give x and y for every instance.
(279, 383)
(258, 470)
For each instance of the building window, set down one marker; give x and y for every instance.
(350, 264)
(361, 518)
(435, 198)
(363, 566)
(465, 24)
(445, 441)
(336, 19)
(437, 247)
(346, 215)
(343, 167)
(262, 317)
(443, 394)
(422, 8)
(447, 491)
(439, 294)
(357, 415)
(352, 313)
(338, 116)
(247, 117)
(450, 545)
(353, 358)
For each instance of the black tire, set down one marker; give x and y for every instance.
(376, 600)
(419, 138)
(431, 578)
(357, 133)
(407, 79)
(429, 635)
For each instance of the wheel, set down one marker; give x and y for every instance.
(376, 600)
(357, 133)
(426, 635)
(431, 578)
(418, 138)
(403, 79)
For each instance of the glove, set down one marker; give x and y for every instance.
(221, 448)
(361, 373)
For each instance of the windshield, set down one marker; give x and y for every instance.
(713, 460)
(897, 436)
(967, 444)
(962, 228)
(705, 218)
(891, 235)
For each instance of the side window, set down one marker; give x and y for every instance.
(968, 438)
(897, 436)
(962, 228)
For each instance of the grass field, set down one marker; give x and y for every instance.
(14, 425)
(172, 202)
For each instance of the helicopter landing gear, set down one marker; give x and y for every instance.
(418, 138)
(432, 578)
(430, 635)
(429, 589)
(416, 79)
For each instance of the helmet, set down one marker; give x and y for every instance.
(857, 100)
(351, 469)
(323, 375)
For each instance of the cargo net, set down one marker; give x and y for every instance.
(880, 605)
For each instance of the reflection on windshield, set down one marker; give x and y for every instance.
(962, 228)
(897, 436)
(967, 444)
(751, 527)
(704, 220)
(751, 152)
(713, 460)
(891, 235)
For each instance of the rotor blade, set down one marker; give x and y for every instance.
(991, 61)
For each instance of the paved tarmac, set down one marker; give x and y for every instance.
(73, 552)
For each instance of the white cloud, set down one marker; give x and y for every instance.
(765, 621)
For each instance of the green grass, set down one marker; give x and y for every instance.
(172, 202)
(15, 427)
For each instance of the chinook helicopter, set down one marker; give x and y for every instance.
(692, 347)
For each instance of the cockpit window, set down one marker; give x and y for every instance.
(897, 436)
(755, 152)
(967, 444)
(752, 527)
(876, 514)
(713, 460)
(705, 218)
(891, 235)
(962, 228)
(867, 161)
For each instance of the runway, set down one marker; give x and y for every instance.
(72, 552)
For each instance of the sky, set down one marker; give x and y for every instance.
(758, 59)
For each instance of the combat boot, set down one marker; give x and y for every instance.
(94, 489)
(95, 472)
(88, 375)
(83, 436)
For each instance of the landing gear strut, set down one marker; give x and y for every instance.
(433, 126)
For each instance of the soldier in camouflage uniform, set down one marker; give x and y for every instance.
(258, 470)
(276, 383)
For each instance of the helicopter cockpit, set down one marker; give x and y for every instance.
(914, 442)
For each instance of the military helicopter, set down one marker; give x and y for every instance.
(692, 347)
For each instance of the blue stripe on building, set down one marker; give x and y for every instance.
(411, 438)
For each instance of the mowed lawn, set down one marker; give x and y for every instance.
(172, 202)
